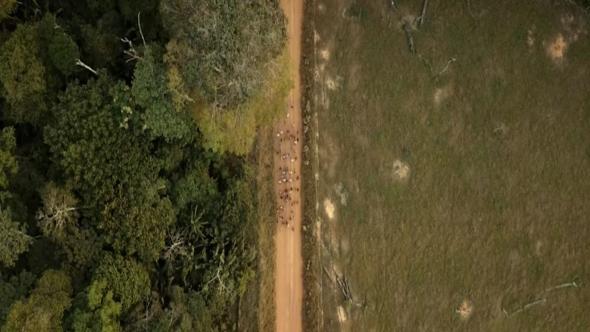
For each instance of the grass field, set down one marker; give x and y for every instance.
(453, 193)
(257, 306)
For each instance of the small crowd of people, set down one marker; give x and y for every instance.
(288, 180)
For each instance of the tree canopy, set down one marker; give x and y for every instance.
(126, 196)
(44, 308)
(23, 75)
(220, 47)
(13, 238)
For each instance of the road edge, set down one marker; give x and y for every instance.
(311, 228)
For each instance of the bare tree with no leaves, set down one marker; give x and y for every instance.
(59, 209)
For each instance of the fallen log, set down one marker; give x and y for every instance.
(423, 15)
(410, 39)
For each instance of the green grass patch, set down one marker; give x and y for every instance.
(495, 207)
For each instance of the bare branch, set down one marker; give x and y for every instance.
(565, 285)
(129, 43)
(139, 24)
(540, 298)
(59, 210)
(524, 307)
(178, 246)
(423, 15)
(131, 52)
(451, 60)
(85, 66)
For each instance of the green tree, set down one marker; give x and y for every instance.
(220, 47)
(23, 75)
(12, 289)
(126, 169)
(150, 91)
(210, 244)
(8, 163)
(13, 239)
(101, 45)
(101, 313)
(58, 50)
(44, 308)
(138, 225)
(195, 187)
(225, 63)
(234, 130)
(105, 154)
(228, 257)
(187, 312)
(101, 300)
(81, 246)
(58, 220)
(63, 52)
(125, 277)
(97, 143)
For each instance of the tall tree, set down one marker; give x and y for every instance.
(99, 311)
(23, 75)
(188, 311)
(125, 277)
(97, 142)
(44, 308)
(220, 47)
(63, 52)
(12, 289)
(8, 163)
(58, 220)
(138, 225)
(224, 65)
(105, 154)
(13, 238)
(151, 92)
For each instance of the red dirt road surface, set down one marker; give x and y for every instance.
(287, 160)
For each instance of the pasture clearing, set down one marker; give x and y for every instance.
(451, 186)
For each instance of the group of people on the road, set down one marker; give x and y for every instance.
(287, 142)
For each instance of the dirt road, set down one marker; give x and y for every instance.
(289, 267)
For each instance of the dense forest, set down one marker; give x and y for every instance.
(126, 195)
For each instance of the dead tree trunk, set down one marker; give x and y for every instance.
(409, 37)
(423, 15)
(85, 66)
